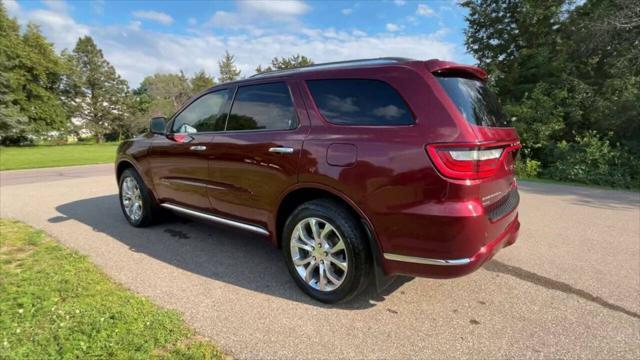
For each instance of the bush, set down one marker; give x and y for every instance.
(528, 168)
(591, 159)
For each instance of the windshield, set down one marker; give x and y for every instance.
(475, 101)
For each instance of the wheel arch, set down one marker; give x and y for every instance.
(302, 193)
(122, 166)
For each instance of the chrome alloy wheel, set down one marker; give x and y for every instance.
(319, 255)
(131, 198)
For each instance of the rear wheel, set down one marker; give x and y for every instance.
(326, 251)
(136, 201)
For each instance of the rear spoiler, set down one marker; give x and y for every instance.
(436, 66)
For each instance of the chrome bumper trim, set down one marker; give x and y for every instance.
(426, 261)
(252, 228)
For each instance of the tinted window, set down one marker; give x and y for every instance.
(204, 114)
(265, 106)
(359, 102)
(475, 101)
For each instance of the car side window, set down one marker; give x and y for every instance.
(262, 107)
(204, 114)
(359, 102)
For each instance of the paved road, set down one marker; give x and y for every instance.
(54, 174)
(569, 288)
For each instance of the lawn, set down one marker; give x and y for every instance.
(28, 157)
(55, 303)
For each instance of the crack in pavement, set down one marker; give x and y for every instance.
(551, 284)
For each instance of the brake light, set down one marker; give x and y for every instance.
(467, 163)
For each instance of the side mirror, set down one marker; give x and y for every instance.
(158, 125)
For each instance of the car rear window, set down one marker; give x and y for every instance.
(475, 101)
(359, 102)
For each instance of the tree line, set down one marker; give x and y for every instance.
(568, 75)
(566, 72)
(45, 94)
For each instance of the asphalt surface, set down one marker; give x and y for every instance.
(569, 288)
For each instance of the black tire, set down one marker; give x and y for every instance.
(149, 206)
(357, 276)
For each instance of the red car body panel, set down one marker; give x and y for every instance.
(382, 172)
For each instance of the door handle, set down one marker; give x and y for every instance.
(281, 150)
(198, 148)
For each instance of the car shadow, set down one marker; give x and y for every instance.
(206, 249)
(586, 196)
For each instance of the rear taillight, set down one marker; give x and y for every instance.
(465, 162)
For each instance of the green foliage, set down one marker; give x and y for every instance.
(563, 68)
(294, 61)
(228, 69)
(56, 304)
(528, 168)
(201, 81)
(97, 93)
(30, 79)
(592, 159)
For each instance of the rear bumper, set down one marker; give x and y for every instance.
(449, 268)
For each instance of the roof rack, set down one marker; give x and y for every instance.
(336, 64)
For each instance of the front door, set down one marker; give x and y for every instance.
(255, 160)
(180, 161)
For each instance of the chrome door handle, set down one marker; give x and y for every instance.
(198, 148)
(281, 150)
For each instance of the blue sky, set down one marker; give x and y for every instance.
(143, 37)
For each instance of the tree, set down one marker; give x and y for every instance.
(97, 93)
(228, 69)
(200, 81)
(42, 75)
(13, 122)
(292, 62)
(516, 41)
(567, 72)
(166, 92)
(30, 75)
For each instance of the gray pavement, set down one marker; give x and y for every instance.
(569, 288)
(54, 174)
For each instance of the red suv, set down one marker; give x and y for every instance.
(357, 170)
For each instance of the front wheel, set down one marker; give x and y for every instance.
(326, 251)
(135, 199)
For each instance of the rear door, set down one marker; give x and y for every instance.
(180, 160)
(255, 160)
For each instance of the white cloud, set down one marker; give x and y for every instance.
(276, 7)
(57, 6)
(393, 27)
(59, 27)
(399, 2)
(137, 52)
(156, 16)
(250, 15)
(135, 25)
(144, 52)
(98, 6)
(346, 11)
(12, 6)
(424, 10)
(225, 19)
(357, 32)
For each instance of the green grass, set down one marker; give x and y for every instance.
(29, 157)
(54, 303)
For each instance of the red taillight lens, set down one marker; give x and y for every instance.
(466, 163)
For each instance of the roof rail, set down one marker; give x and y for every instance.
(336, 64)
